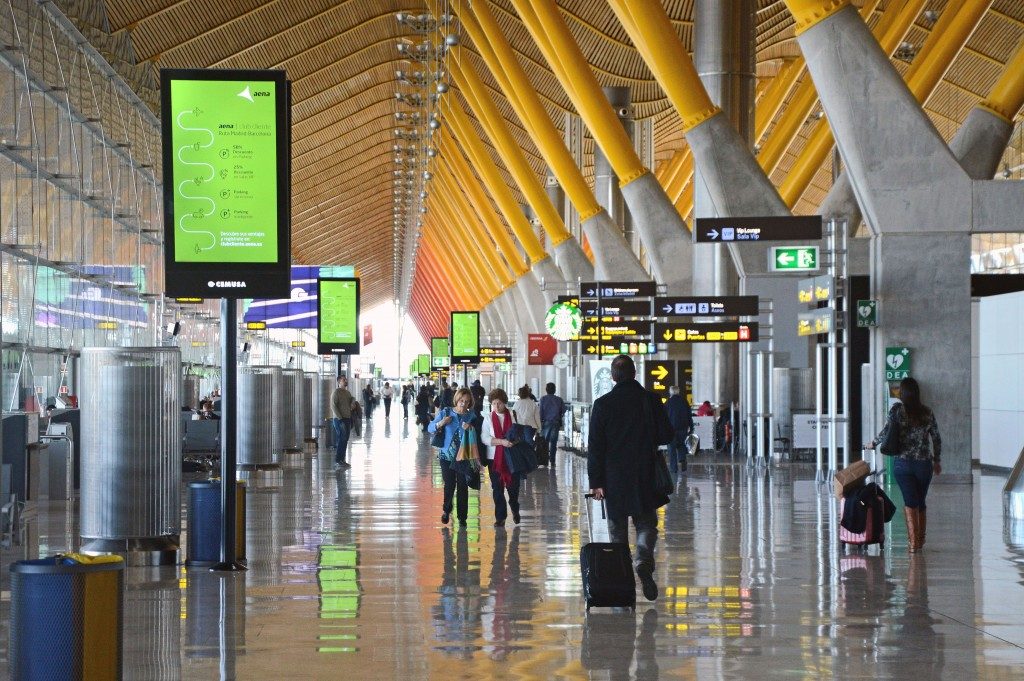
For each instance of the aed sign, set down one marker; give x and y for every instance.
(897, 363)
(867, 313)
(226, 173)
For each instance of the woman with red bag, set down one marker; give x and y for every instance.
(495, 435)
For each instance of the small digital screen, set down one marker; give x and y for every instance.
(338, 316)
(465, 330)
(439, 353)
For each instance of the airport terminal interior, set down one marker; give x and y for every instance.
(257, 241)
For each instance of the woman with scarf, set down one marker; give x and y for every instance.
(496, 428)
(454, 422)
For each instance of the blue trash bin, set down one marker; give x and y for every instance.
(67, 618)
(202, 548)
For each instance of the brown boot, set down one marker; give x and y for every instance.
(922, 522)
(911, 515)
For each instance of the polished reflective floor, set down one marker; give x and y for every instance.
(352, 576)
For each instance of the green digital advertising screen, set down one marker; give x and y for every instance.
(422, 364)
(439, 353)
(338, 316)
(226, 151)
(465, 334)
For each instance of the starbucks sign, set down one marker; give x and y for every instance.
(563, 321)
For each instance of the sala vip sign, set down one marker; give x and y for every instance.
(897, 363)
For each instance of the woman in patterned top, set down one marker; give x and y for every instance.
(916, 459)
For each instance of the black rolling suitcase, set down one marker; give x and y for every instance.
(540, 450)
(607, 570)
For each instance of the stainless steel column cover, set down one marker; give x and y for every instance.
(326, 388)
(290, 421)
(131, 443)
(280, 423)
(255, 425)
(310, 393)
(190, 393)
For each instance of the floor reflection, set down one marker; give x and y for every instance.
(351, 574)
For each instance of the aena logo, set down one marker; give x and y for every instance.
(226, 284)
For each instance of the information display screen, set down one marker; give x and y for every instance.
(338, 316)
(465, 334)
(226, 150)
(439, 353)
(422, 364)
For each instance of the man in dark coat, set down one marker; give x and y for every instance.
(626, 427)
(679, 415)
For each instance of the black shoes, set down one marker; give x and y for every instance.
(499, 523)
(649, 587)
(462, 523)
(515, 518)
(444, 518)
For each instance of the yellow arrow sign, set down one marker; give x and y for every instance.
(659, 372)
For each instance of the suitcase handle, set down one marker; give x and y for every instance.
(590, 521)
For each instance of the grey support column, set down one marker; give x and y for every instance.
(724, 58)
(920, 204)
(606, 182)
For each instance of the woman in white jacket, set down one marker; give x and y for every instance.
(494, 436)
(527, 414)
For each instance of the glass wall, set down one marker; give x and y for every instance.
(81, 245)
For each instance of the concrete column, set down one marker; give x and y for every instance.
(606, 182)
(724, 58)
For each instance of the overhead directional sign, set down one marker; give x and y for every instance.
(718, 332)
(732, 230)
(624, 348)
(815, 322)
(617, 289)
(699, 306)
(660, 375)
(793, 259)
(572, 300)
(495, 355)
(815, 289)
(614, 307)
(621, 329)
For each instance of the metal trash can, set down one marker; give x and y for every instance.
(131, 453)
(325, 417)
(67, 618)
(203, 546)
(255, 422)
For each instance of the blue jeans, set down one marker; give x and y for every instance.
(677, 454)
(341, 431)
(913, 476)
(550, 431)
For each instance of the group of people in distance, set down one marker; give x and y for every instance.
(627, 426)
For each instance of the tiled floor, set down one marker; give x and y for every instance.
(352, 576)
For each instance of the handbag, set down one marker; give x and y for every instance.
(438, 440)
(662, 477)
(663, 482)
(890, 444)
(521, 458)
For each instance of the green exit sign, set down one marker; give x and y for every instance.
(793, 258)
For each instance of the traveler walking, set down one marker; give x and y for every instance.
(423, 407)
(455, 421)
(478, 396)
(527, 414)
(446, 395)
(341, 406)
(705, 409)
(678, 411)
(916, 459)
(626, 427)
(552, 408)
(407, 397)
(495, 434)
(387, 393)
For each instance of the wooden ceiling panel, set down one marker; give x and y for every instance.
(341, 57)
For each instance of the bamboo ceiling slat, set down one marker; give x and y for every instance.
(341, 57)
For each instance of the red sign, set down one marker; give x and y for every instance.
(367, 334)
(541, 349)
